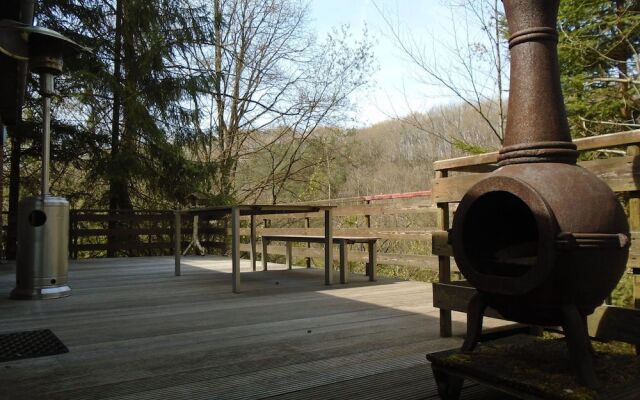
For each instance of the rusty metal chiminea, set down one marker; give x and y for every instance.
(543, 240)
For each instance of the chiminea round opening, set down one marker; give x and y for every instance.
(500, 235)
(504, 236)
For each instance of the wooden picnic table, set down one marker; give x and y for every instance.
(251, 210)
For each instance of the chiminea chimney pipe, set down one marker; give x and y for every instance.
(535, 87)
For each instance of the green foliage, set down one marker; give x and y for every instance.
(176, 176)
(314, 189)
(122, 106)
(622, 295)
(468, 147)
(406, 273)
(599, 64)
(181, 95)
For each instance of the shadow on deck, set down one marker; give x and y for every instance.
(135, 331)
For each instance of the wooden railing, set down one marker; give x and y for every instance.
(99, 233)
(403, 222)
(455, 176)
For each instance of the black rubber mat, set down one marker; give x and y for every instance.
(29, 344)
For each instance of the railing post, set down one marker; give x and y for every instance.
(328, 246)
(444, 263)
(344, 262)
(634, 197)
(267, 224)
(76, 238)
(253, 238)
(373, 260)
(73, 241)
(235, 249)
(307, 225)
(177, 239)
(636, 287)
(367, 219)
(111, 239)
(634, 226)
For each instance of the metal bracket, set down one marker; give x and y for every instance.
(570, 240)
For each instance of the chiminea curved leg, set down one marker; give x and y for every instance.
(579, 344)
(475, 313)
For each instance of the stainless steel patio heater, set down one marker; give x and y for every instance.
(43, 221)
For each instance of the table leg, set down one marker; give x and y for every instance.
(235, 249)
(328, 246)
(264, 254)
(253, 242)
(344, 262)
(177, 236)
(288, 256)
(307, 224)
(372, 260)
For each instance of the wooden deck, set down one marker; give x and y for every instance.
(135, 331)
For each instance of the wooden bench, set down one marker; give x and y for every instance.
(342, 241)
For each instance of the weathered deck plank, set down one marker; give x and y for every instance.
(135, 331)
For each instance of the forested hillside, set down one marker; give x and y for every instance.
(389, 157)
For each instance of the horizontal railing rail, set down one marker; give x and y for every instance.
(403, 222)
(99, 233)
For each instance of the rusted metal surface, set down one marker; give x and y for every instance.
(537, 117)
(506, 231)
(508, 240)
(543, 240)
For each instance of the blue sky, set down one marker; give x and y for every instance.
(395, 90)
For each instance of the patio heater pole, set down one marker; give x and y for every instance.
(46, 91)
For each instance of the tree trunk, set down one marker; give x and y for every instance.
(4, 134)
(14, 194)
(224, 136)
(623, 87)
(114, 176)
(117, 99)
(132, 74)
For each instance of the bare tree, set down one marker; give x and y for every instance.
(474, 71)
(273, 83)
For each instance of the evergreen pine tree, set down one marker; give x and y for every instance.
(127, 96)
(598, 51)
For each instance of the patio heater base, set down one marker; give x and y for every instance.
(43, 241)
(54, 292)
